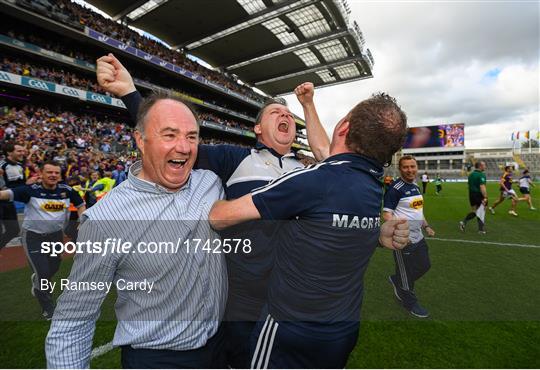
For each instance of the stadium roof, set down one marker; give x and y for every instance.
(270, 44)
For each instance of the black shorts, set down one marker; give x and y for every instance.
(524, 190)
(475, 199)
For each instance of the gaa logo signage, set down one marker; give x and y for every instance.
(70, 91)
(98, 98)
(38, 84)
(4, 77)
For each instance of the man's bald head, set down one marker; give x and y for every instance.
(150, 101)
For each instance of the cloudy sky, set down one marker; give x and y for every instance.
(446, 62)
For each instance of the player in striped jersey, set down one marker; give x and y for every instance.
(404, 200)
(45, 217)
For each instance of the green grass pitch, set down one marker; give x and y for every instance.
(484, 299)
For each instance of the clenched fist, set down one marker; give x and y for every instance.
(394, 234)
(305, 92)
(113, 76)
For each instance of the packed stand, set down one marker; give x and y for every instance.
(214, 141)
(72, 13)
(82, 144)
(56, 75)
(62, 77)
(222, 121)
(60, 134)
(139, 75)
(47, 44)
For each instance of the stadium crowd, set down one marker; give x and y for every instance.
(72, 13)
(63, 77)
(24, 35)
(81, 143)
(223, 121)
(46, 73)
(48, 44)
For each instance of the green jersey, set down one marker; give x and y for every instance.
(476, 178)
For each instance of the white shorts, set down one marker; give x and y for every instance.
(509, 194)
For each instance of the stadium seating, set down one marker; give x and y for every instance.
(532, 161)
(497, 159)
(37, 54)
(75, 15)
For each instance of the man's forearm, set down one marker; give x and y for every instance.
(226, 213)
(132, 102)
(483, 191)
(317, 138)
(98, 187)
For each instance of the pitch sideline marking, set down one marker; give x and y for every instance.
(101, 350)
(486, 242)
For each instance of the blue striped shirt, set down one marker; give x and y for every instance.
(188, 298)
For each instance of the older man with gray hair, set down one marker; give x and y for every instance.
(171, 298)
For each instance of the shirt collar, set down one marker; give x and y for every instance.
(407, 182)
(149, 186)
(260, 146)
(14, 163)
(359, 161)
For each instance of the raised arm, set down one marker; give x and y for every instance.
(115, 78)
(317, 138)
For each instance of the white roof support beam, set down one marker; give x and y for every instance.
(310, 70)
(144, 9)
(265, 15)
(339, 82)
(300, 45)
(128, 10)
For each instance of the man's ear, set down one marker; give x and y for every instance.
(343, 128)
(257, 129)
(140, 141)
